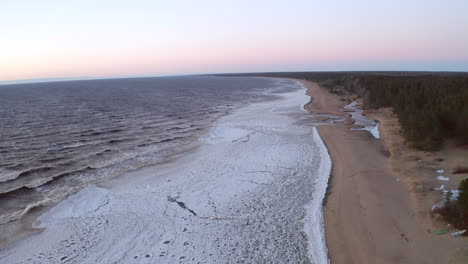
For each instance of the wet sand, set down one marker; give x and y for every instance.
(370, 216)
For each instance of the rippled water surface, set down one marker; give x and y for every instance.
(55, 138)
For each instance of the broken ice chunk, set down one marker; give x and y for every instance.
(442, 178)
(455, 194)
(458, 233)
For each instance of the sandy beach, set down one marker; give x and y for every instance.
(370, 214)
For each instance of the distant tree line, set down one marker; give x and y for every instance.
(430, 108)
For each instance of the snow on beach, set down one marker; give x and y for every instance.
(252, 192)
(361, 120)
(453, 194)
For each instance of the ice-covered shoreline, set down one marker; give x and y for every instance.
(252, 192)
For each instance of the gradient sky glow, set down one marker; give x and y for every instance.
(112, 38)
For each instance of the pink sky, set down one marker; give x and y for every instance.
(145, 38)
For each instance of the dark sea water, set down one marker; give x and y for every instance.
(56, 138)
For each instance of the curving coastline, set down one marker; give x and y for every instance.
(314, 225)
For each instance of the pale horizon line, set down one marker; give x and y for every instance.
(84, 78)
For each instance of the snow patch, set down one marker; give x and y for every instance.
(375, 131)
(455, 195)
(459, 233)
(361, 120)
(442, 178)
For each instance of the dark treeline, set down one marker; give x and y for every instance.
(431, 107)
(339, 75)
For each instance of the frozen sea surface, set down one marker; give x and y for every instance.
(57, 138)
(252, 193)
